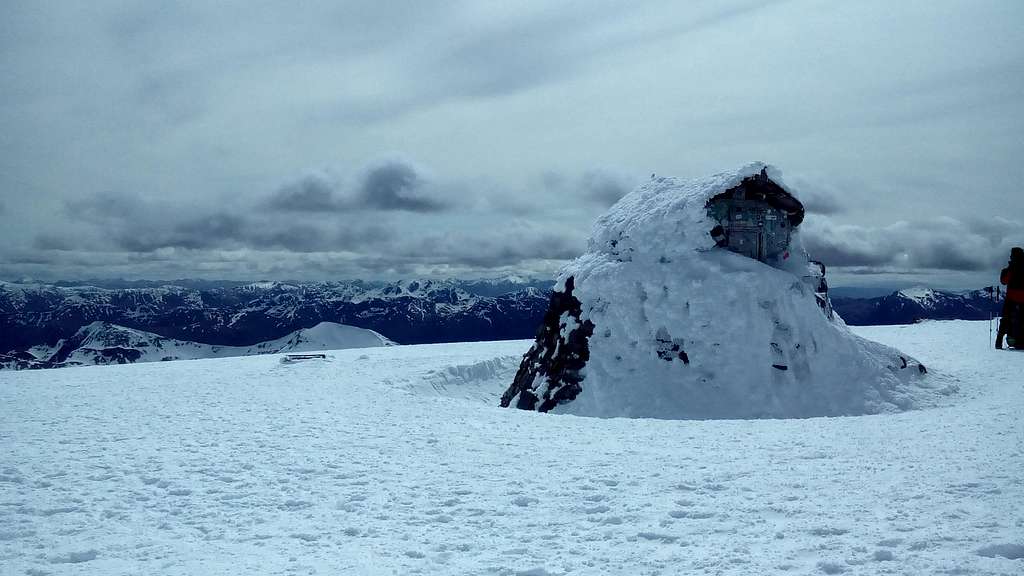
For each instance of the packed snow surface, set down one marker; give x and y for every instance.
(683, 329)
(397, 461)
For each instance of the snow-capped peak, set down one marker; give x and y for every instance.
(106, 343)
(919, 294)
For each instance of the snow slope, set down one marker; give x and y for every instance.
(920, 294)
(397, 461)
(323, 336)
(100, 343)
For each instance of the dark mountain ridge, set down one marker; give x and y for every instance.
(409, 312)
(916, 304)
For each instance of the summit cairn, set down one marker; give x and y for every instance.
(695, 299)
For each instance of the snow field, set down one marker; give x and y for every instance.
(396, 461)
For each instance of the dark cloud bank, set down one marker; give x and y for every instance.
(388, 186)
(944, 244)
(158, 127)
(391, 220)
(387, 220)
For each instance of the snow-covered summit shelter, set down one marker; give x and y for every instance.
(660, 319)
(756, 218)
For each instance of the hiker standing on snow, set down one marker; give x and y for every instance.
(1013, 277)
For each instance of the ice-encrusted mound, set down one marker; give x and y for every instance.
(655, 321)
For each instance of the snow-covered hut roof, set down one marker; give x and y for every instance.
(668, 216)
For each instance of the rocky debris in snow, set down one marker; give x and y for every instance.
(669, 348)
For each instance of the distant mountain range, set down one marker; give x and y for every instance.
(408, 312)
(51, 325)
(915, 304)
(104, 343)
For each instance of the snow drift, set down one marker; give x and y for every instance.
(655, 321)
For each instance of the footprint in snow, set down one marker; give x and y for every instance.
(691, 514)
(831, 567)
(653, 536)
(524, 501)
(882, 555)
(827, 531)
(1010, 551)
(295, 505)
(533, 572)
(74, 557)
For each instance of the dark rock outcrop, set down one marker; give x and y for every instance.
(550, 372)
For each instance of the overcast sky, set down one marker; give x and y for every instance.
(331, 140)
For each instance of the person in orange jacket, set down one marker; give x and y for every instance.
(1013, 278)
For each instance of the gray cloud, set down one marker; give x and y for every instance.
(208, 231)
(47, 242)
(314, 213)
(600, 186)
(555, 44)
(368, 252)
(311, 216)
(821, 194)
(998, 230)
(822, 201)
(846, 247)
(540, 45)
(294, 238)
(904, 111)
(395, 185)
(104, 207)
(356, 237)
(606, 187)
(495, 250)
(311, 193)
(530, 51)
(935, 244)
(128, 224)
